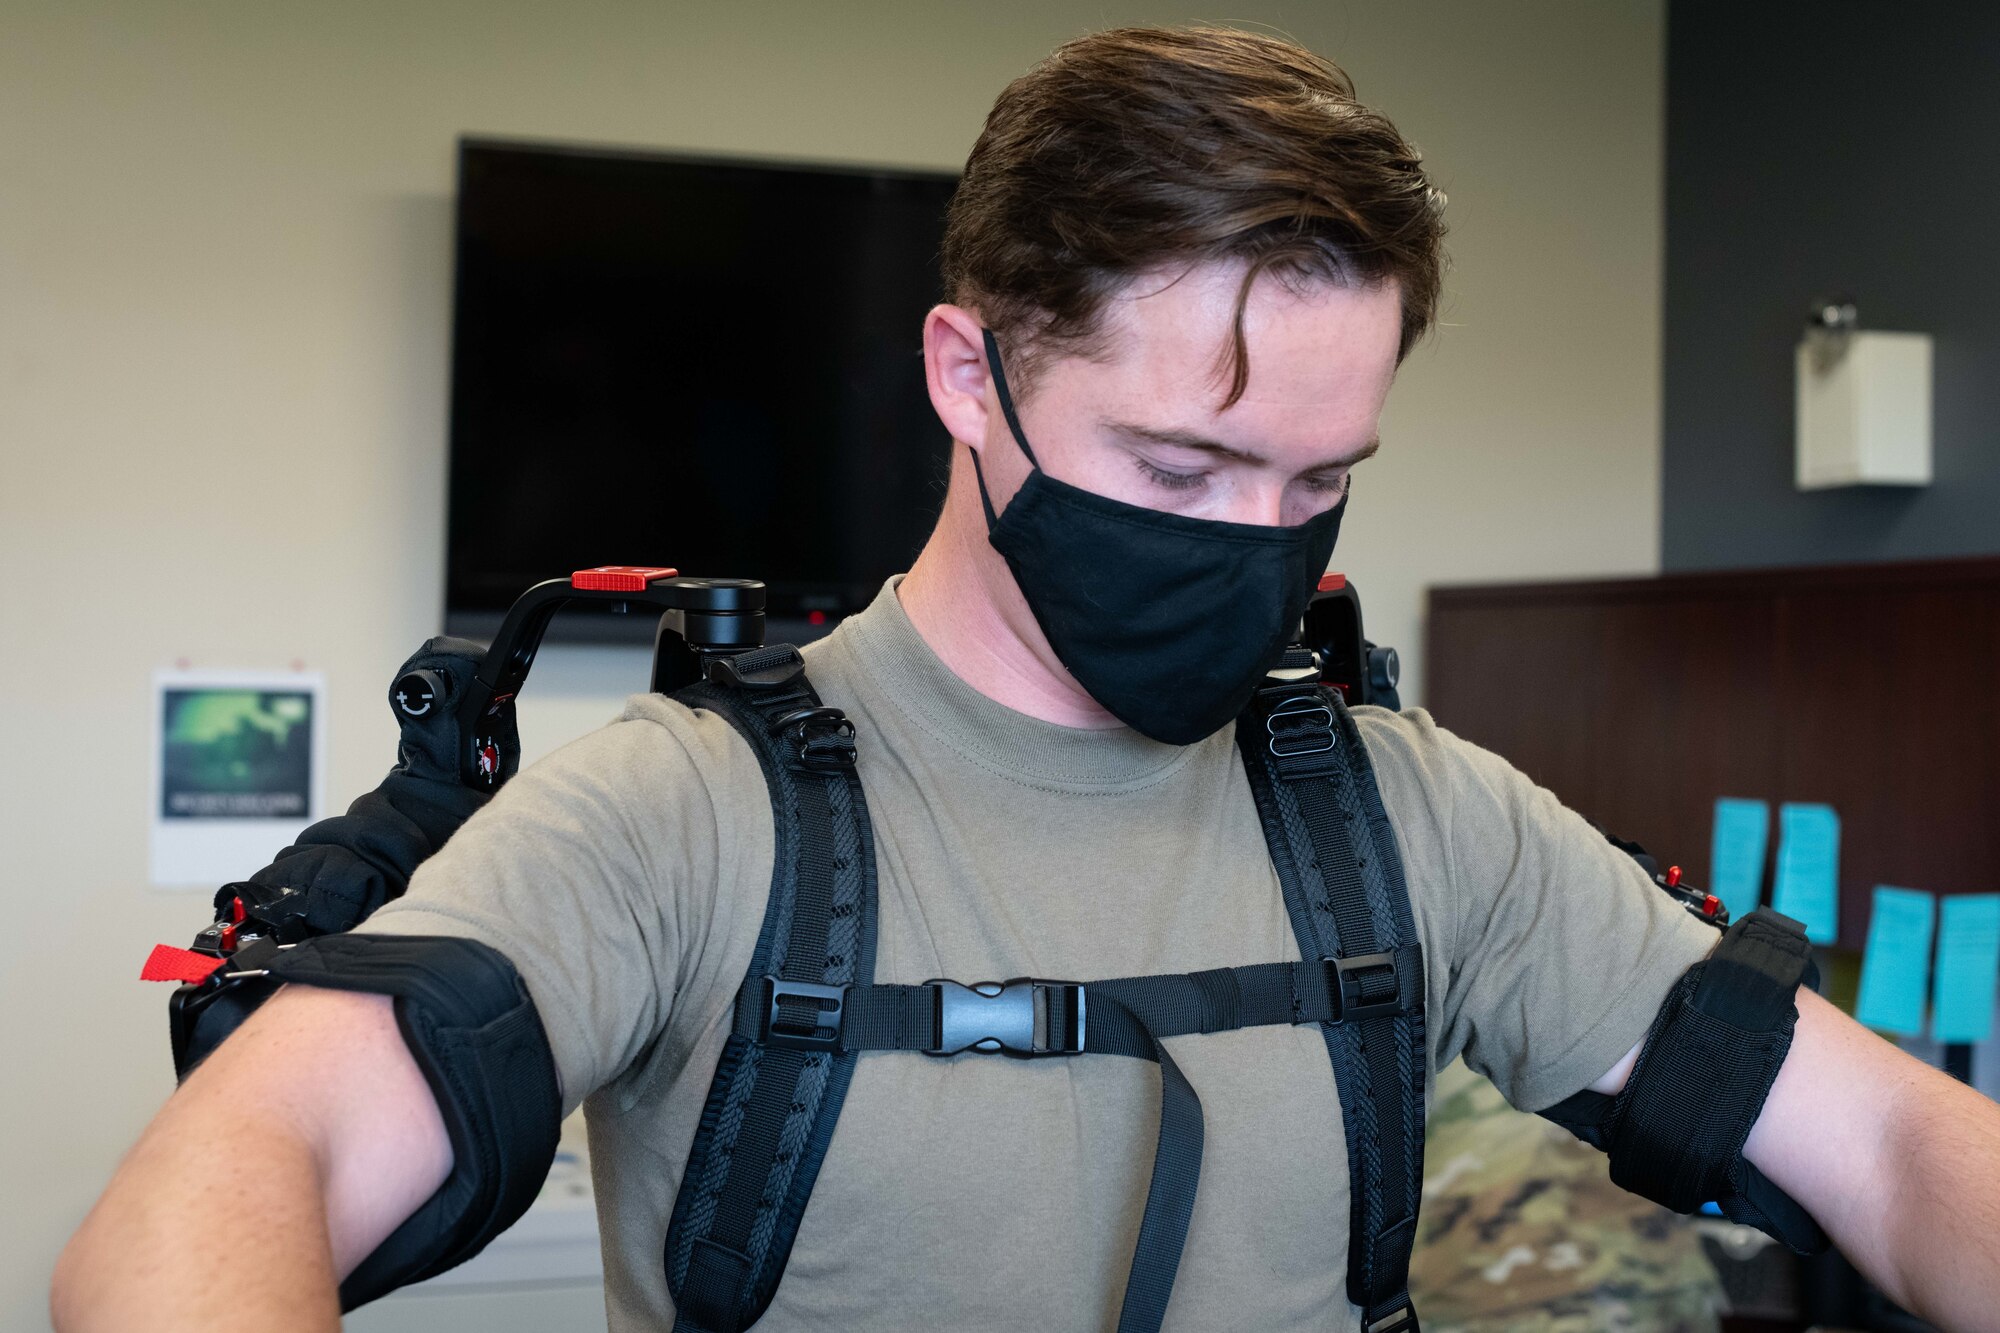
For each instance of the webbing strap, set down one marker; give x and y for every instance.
(1121, 1016)
(1129, 1016)
(1337, 861)
(771, 1110)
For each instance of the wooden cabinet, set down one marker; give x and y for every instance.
(1873, 688)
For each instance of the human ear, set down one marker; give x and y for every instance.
(956, 372)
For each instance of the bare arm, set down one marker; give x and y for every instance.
(1899, 1163)
(283, 1162)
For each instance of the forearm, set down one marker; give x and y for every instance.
(200, 1232)
(1940, 1242)
(1899, 1163)
(282, 1163)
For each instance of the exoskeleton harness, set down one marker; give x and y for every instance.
(810, 1007)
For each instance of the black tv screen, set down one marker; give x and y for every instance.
(706, 364)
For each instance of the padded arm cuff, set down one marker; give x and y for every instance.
(470, 1023)
(1676, 1132)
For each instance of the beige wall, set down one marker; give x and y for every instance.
(224, 288)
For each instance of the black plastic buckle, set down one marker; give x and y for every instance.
(1346, 982)
(1023, 1017)
(824, 737)
(829, 1005)
(764, 668)
(1300, 725)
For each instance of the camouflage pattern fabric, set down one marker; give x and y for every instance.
(1523, 1232)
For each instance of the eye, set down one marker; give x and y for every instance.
(1326, 485)
(1173, 481)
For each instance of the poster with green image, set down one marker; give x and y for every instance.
(239, 759)
(235, 754)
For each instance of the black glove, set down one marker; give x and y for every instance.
(344, 868)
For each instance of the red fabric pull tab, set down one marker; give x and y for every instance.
(166, 963)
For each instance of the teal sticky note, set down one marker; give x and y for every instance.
(1808, 882)
(1736, 855)
(1896, 968)
(1968, 967)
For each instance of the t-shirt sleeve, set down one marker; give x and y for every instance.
(1561, 949)
(594, 873)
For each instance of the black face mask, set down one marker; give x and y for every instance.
(1168, 622)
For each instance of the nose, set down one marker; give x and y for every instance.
(1261, 505)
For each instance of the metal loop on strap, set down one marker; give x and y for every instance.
(1303, 725)
(1400, 1319)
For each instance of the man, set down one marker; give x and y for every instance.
(1201, 262)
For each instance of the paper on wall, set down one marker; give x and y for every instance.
(1736, 854)
(239, 763)
(1896, 968)
(1808, 879)
(1968, 967)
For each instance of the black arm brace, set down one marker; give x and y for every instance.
(470, 1023)
(1676, 1132)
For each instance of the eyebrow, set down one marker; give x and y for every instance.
(1185, 439)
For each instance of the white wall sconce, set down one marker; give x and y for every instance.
(1864, 403)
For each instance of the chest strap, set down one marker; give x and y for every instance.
(1130, 1016)
(1029, 1017)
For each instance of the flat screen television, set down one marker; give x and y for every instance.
(714, 365)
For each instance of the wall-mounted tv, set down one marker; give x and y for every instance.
(715, 365)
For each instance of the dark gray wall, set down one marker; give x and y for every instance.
(1819, 148)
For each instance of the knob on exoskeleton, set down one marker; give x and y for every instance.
(418, 694)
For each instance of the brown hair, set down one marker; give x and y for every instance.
(1138, 148)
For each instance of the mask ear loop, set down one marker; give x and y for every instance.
(1013, 425)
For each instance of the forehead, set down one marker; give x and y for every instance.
(1322, 352)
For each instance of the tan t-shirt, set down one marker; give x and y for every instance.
(626, 877)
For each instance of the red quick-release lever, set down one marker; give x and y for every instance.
(1711, 905)
(166, 963)
(619, 578)
(1332, 582)
(1673, 877)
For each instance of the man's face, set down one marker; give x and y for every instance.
(1144, 422)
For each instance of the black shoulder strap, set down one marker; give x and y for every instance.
(1336, 857)
(809, 1006)
(772, 1106)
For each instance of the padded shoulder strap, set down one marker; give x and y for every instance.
(771, 1107)
(1337, 859)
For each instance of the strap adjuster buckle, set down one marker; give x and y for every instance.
(1299, 726)
(1351, 988)
(1022, 1018)
(814, 1017)
(824, 737)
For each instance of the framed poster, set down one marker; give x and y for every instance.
(239, 763)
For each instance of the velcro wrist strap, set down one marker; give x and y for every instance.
(1676, 1132)
(472, 1027)
(1750, 980)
